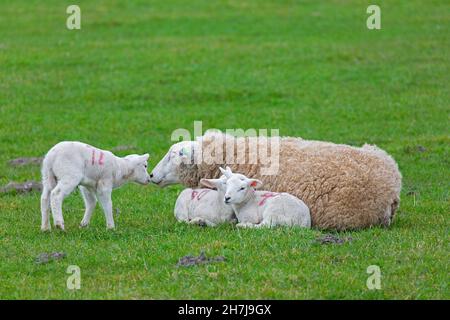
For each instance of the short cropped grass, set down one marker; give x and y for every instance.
(137, 70)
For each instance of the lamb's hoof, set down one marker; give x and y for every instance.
(60, 226)
(201, 223)
(45, 229)
(198, 222)
(110, 228)
(83, 225)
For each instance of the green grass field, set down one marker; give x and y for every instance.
(137, 70)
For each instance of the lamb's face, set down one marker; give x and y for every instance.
(167, 170)
(239, 188)
(139, 167)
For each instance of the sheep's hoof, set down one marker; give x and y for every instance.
(45, 229)
(83, 225)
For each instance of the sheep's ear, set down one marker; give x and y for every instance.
(255, 183)
(229, 170)
(209, 183)
(145, 157)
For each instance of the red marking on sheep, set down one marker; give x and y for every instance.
(198, 195)
(100, 161)
(266, 196)
(93, 157)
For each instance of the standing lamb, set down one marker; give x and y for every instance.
(344, 187)
(96, 172)
(204, 206)
(256, 209)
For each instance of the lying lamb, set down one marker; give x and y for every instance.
(96, 172)
(204, 206)
(255, 209)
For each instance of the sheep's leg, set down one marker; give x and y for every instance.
(57, 195)
(90, 201)
(202, 222)
(104, 197)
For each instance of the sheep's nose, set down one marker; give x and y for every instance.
(227, 199)
(151, 175)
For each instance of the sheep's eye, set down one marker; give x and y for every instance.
(180, 153)
(145, 166)
(241, 188)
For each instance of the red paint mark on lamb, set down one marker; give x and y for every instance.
(266, 196)
(100, 161)
(198, 195)
(202, 193)
(93, 157)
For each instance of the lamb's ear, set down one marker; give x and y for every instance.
(226, 173)
(229, 170)
(209, 183)
(255, 183)
(145, 157)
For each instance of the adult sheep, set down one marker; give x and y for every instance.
(344, 187)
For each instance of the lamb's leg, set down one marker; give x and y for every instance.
(264, 224)
(246, 225)
(57, 195)
(45, 206)
(89, 201)
(104, 197)
(48, 184)
(210, 224)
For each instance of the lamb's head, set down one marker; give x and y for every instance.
(219, 184)
(137, 164)
(238, 187)
(167, 171)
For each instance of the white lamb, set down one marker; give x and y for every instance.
(255, 209)
(96, 172)
(204, 206)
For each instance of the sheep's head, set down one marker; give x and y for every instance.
(167, 171)
(137, 165)
(238, 187)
